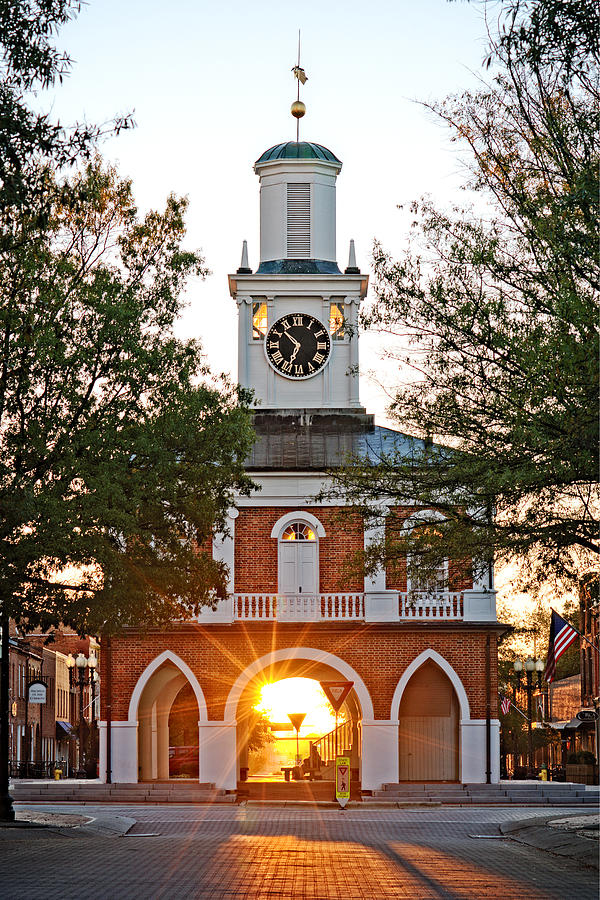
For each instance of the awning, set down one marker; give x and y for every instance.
(64, 731)
(573, 724)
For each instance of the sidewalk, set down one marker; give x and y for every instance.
(573, 837)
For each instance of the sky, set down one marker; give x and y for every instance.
(210, 87)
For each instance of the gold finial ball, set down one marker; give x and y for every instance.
(298, 109)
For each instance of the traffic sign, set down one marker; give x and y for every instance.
(336, 692)
(296, 719)
(342, 780)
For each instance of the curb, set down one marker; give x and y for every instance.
(107, 825)
(536, 833)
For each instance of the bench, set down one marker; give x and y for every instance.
(287, 771)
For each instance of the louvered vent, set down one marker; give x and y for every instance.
(298, 221)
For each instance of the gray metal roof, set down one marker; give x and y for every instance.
(305, 440)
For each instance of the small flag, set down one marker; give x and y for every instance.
(562, 636)
(300, 74)
(505, 704)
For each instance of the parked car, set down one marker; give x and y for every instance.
(183, 762)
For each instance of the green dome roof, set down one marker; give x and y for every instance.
(295, 150)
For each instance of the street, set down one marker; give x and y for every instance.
(254, 852)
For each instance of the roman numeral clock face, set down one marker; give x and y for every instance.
(298, 346)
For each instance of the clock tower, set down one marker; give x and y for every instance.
(298, 313)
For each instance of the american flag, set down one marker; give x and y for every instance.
(562, 636)
(504, 705)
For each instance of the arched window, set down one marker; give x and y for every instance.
(298, 553)
(298, 531)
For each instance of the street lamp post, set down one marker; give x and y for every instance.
(84, 662)
(531, 665)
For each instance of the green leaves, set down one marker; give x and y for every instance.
(119, 455)
(496, 314)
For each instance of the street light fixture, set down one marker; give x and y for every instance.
(531, 666)
(83, 662)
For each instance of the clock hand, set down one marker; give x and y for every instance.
(295, 353)
(293, 340)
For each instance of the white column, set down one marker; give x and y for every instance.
(473, 751)
(124, 761)
(224, 550)
(379, 763)
(381, 605)
(162, 743)
(244, 313)
(375, 535)
(218, 754)
(351, 305)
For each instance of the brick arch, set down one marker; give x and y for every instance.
(300, 653)
(167, 656)
(463, 700)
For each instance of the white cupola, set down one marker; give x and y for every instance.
(297, 209)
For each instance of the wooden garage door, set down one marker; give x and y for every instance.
(429, 727)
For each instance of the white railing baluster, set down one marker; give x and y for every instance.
(342, 607)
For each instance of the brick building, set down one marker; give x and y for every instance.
(422, 662)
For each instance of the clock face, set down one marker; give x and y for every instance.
(298, 346)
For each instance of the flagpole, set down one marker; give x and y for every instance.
(298, 97)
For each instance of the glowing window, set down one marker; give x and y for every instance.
(298, 532)
(336, 322)
(259, 321)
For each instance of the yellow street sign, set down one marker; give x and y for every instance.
(342, 780)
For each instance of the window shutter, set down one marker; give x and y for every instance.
(298, 221)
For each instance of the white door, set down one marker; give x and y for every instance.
(298, 567)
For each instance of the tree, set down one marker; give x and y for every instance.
(495, 315)
(118, 457)
(30, 62)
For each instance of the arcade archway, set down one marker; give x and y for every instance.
(300, 663)
(429, 727)
(167, 699)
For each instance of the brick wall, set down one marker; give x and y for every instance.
(378, 653)
(256, 550)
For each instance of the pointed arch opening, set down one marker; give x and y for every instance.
(167, 704)
(429, 726)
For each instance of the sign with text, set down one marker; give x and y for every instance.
(587, 715)
(37, 692)
(336, 692)
(342, 780)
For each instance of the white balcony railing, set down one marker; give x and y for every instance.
(430, 606)
(299, 607)
(346, 607)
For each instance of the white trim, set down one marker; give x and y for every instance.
(463, 700)
(300, 653)
(151, 668)
(301, 515)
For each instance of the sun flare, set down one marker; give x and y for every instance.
(298, 695)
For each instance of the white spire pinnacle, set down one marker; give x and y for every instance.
(244, 262)
(352, 256)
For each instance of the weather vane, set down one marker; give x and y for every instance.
(298, 107)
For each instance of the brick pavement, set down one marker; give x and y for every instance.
(244, 852)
